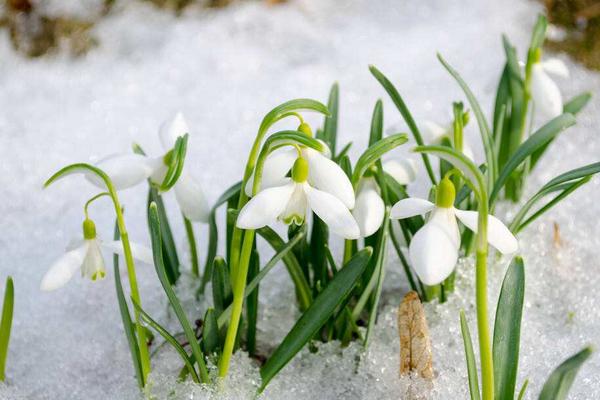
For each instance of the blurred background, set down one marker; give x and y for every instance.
(83, 79)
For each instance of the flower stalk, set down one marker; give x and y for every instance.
(135, 294)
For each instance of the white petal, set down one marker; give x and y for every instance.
(433, 253)
(124, 170)
(276, 167)
(62, 270)
(556, 66)
(369, 209)
(403, 171)
(264, 208)
(295, 211)
(327, 176)
(445, 218)
(333, 212)
(171, 129)
(191, 199)
(546, 96)
(159, 169)
(138, 251)
(432, 132)
(498, 234)
(93, 262)
(326, 150)
(410, 207)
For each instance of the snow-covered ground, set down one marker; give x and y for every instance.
(225, 69)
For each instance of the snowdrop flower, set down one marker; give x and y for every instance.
(433, 251)
(86, 255)
(369, 209)
(323, 173)
(434, 133)
(545, 94)
(127, 170)
(294, 197)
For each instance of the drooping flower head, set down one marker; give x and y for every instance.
(546, 96)
(291, 199)
(127, 170)
(433, 250)
(86, 255)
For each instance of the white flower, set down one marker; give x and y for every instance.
(369, 209)
(545, 94)
(433, 133)
(293, 198)
(323, 173)
(127, 170)
(87, 256)
(433, 250)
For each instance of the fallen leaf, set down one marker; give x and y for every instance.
(415, 346)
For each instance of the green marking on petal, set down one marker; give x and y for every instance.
(294, 218)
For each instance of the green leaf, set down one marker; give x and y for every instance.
(169, 248)
(169, 339)
(173, 300)
(281, 253)
(252, 303)
(6, 324)
(470, 358)
(176, 163)
(406, 115)
(213, 232)
(577, 103)
(534, 142)
(374, 153)
(292, 265)
(507, 330)
(210, 332)
(378, 273)
(376, 123)
(128, 325)
(486, 137)
(472, 174)
(539, 32)
(329, 133)
(316, 315)
(221, 285)
(523, 390)
(284, 110)
(342, 152)
(559, 383)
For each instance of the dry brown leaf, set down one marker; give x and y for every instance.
(415, 346)
(556, 235)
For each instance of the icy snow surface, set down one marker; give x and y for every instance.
(225, 69)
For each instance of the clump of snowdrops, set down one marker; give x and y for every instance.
(302, 179)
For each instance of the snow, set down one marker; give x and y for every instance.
(225, 69)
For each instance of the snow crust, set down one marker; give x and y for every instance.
(225, 69)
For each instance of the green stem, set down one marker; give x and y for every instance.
(189, 230)
(485, 347)
(238, 301)
(135, 294)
